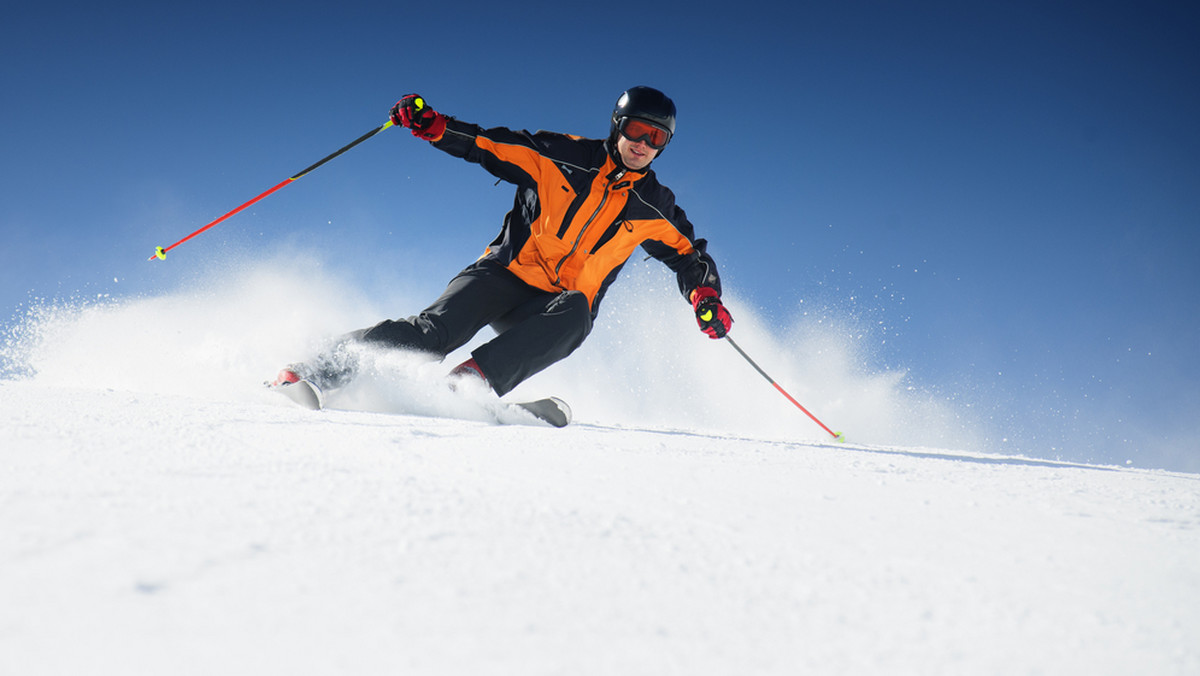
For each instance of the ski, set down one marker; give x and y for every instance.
(302, 391)
(550, 410)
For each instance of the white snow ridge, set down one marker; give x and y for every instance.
(161, 513)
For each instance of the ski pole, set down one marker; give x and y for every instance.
(836, 435)
(161, 252)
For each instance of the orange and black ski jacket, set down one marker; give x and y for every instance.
(577, 215)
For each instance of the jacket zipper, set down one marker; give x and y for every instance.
(579, 238)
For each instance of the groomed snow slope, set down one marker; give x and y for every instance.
(161, 513)
(152, 533)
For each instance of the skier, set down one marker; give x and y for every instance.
(581, 207)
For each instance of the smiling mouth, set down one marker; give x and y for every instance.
(638, 155)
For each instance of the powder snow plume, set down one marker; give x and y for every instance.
(645, 364)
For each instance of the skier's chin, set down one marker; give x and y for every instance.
(637, 162)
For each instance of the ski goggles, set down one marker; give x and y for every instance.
(640, 130)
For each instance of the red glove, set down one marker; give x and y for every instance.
(412, 112)
(711, 315)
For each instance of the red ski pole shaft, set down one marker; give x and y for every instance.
(836, 435)
(161, 252)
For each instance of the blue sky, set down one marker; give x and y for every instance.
(1002, 198)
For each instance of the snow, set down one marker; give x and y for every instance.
(161, 513)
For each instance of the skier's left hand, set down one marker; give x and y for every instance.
(711, 314)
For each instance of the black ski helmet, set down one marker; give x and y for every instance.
(644, 103)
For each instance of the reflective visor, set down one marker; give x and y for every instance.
(640, 130)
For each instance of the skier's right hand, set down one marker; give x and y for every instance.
(414, 113)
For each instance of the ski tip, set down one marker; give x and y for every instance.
(841, 437)
(562, 406)
(301, 392)
(551, 410)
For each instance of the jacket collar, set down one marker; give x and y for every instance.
(614, 170)
(614, 164)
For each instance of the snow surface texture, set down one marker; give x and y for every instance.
(160, 512)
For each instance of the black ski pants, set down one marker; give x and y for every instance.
(535, 328)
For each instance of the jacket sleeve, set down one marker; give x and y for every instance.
(509, 155)
(692, 270)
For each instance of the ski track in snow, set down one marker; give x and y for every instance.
(160, 512)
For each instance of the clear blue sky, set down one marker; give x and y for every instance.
(1005, 195)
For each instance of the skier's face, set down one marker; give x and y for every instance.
(636, 155)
